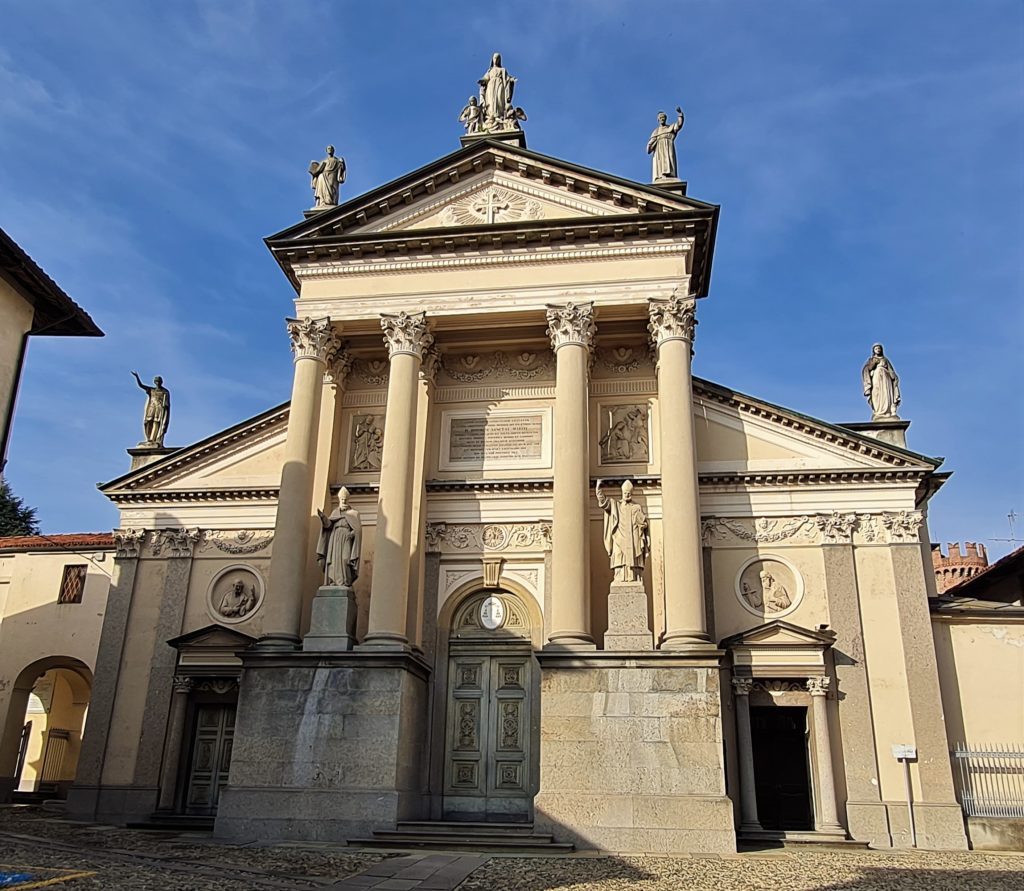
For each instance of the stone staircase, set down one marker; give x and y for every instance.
(440, 835)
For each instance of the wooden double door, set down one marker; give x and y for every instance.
(213, 735)
(490, 771)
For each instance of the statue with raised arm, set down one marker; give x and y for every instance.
(496, 89)
(626, 537)
(326, 177)
(340, 544)
(157, 414)
(881, 385)
(662, 146)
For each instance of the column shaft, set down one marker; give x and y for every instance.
(175, 740)
(745, 752)
(407, 338)
(571, 329)
(828, 817)
(686, 624)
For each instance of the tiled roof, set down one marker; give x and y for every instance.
(74, 541)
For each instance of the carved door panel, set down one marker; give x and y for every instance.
(488, 772)
(211, 757)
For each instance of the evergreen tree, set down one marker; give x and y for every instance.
(16, 517)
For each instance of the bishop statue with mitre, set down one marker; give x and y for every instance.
(626, 537)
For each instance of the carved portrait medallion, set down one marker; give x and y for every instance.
(769, 587)
(235, 594)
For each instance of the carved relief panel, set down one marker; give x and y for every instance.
(366, 442)
(624, 433)
(235, 594)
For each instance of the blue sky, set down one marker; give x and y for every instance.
(867, 157)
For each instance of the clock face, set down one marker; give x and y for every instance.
(492, 613)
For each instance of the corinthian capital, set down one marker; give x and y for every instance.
(672, 319)
(572, 323)
(312, 338)
(406, 333)
(818, 686)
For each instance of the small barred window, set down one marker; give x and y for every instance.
(72, 584)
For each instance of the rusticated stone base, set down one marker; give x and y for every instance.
(631, 753)
(939, 827)
(327, 746)
(868, 821)
(628, 628)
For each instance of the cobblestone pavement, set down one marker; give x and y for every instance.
(75, 857)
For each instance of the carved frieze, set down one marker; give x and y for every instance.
(835, 527)
(174, 542)
(406, 332)
(483, 537)
(312, 338)
(571, 323)
(778, 686)
(374, 372)
(623, 360)
(237, 542)
(672, 319)
(128, 542)
(491, 205)
(471, 368)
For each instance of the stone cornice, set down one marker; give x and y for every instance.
(126, 497)
(382, 265)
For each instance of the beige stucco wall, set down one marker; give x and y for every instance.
(981, 671)
(15, 320)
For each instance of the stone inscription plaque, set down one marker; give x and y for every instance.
(496, 438)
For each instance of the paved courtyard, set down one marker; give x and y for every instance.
(38, 849)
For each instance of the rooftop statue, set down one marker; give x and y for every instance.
(881, 385)
(326, 177)
(494, 111)
(157, 414)
(662, 146)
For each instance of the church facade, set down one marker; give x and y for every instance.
(731, 638)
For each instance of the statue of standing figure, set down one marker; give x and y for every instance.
(157, 414)
(326, 177)
(881, 385)
(626, 536)
(662, 146)
(494, 112)
(340, 544)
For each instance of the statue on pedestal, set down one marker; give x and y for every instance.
(326, 177)
(662, 145)
(626, 536)
(881, 385)
(157, 414)
(340, 544)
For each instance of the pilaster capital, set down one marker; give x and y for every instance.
(406, 333)
(177, 542)
(742, 686)
(430, 365)
(339, 363)
(182, 684)
(674, 318)
(904, 526)
(128, 543)
(312, 338)
(818, 686)
(572, 323)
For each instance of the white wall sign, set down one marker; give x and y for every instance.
(492, 613)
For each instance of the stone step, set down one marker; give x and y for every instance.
(460, 827)
(437, 842)
(174, 823)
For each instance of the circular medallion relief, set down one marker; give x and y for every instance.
(235, 593)
(769, 586)
(492, 613)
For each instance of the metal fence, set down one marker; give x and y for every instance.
(991, 780)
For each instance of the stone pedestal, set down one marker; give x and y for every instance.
(327, 747)
(888, 430)
(144, 454)
(332, 622)
(628, 628)
(631, 756)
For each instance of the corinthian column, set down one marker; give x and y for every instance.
(571, 328)
(313, 343)
(671, 326)
(407, 338)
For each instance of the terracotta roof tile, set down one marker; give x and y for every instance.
(66, 542)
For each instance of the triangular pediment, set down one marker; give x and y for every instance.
(248, 455)
(738, 434)
(489, 183)
(780, 634)
(213, 637)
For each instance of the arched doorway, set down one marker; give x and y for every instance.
(42, 732)
(492, 707)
